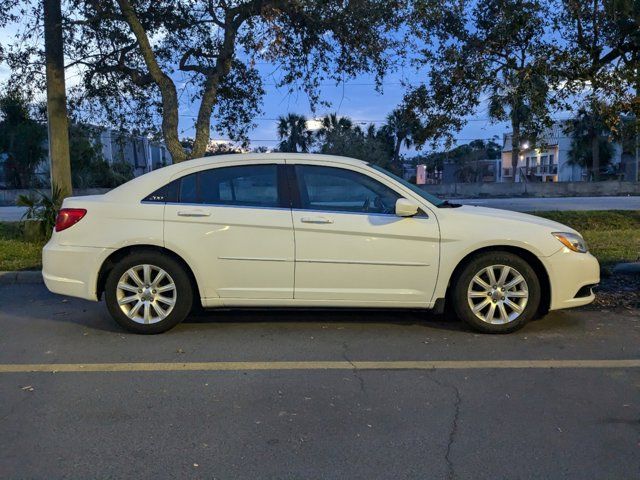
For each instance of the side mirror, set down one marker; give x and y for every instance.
(406, 208)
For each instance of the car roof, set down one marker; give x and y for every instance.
(151, 181)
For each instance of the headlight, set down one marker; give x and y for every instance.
(572, 241)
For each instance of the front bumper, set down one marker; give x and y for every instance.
(71, 270)
(570, 274)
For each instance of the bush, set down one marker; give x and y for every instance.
(42, 208)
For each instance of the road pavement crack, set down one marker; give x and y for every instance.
(453, 431)
(356, 372)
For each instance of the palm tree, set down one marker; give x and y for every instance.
(402, 124)
(332, 123)
(293, 133)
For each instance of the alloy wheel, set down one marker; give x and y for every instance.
(146, 294)
(498, 294)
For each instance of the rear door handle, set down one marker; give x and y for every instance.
(316, 220)
(193, 213)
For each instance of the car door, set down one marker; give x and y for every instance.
(350, 245)
(233, 225)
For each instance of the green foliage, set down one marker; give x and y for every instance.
(21, 140)
(584, 129)
(42, 207)
(131, 52)
(88, 168)
(494, 49)
(599, 56)
(613, 236)
(293, 133)
(15, 252)
(338, 136)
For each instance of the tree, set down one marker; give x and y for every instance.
(293, 133)
(57, 120)
(142, 58)
(493, 49)
(21, 140)
(339, 136)
(402, 124)
(599, 63)
(583, 130)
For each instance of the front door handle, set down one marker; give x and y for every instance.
(193, 213)
(316, 220)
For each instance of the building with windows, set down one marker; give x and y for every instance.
(143, 154)
(548, 159)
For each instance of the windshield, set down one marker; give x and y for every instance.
(414, 188)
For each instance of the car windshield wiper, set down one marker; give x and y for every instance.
(448, 204)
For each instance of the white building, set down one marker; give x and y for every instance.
(142, 153)
(548, 159)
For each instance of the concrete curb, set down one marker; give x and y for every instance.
(627, 268)
(20, 277)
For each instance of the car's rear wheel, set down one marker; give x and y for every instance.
(148, 292)
(496, 292)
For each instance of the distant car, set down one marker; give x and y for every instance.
(297, 230)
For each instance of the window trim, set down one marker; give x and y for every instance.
(283, 189)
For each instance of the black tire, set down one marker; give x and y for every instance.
(183, 292)
(461, 284)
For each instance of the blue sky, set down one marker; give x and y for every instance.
(357, 99)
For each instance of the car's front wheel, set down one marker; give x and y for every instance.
(148, 292)
(496, 292)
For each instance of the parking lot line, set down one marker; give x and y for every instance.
(317, 365)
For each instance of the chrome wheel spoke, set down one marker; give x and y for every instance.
(491, 274)
(140, 290)
(477, 279)
(518, 279)
(474, 294)
(518, 294)
(161, 274)
(147, 312)
(146, 274)
(125, 300)
(491, 313)
(161, 313)
(477, 308)
(504, 273)
(165, 300)
(503, 313)
(133, 275)
(132, 313)
(127, 288)
(514, 306)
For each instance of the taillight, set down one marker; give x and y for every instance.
(67, 217)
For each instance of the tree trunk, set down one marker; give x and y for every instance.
(396, 152)
(515, 150)
(58, 122)
(595, 156)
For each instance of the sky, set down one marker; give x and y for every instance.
(357, 98)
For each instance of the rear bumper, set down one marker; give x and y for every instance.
(72, 271)
(569, 272)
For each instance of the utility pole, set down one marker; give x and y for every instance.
(58, 122)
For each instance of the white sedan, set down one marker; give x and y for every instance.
(297, 230)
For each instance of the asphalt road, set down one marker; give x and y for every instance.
(519, 204)
(308, 421)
